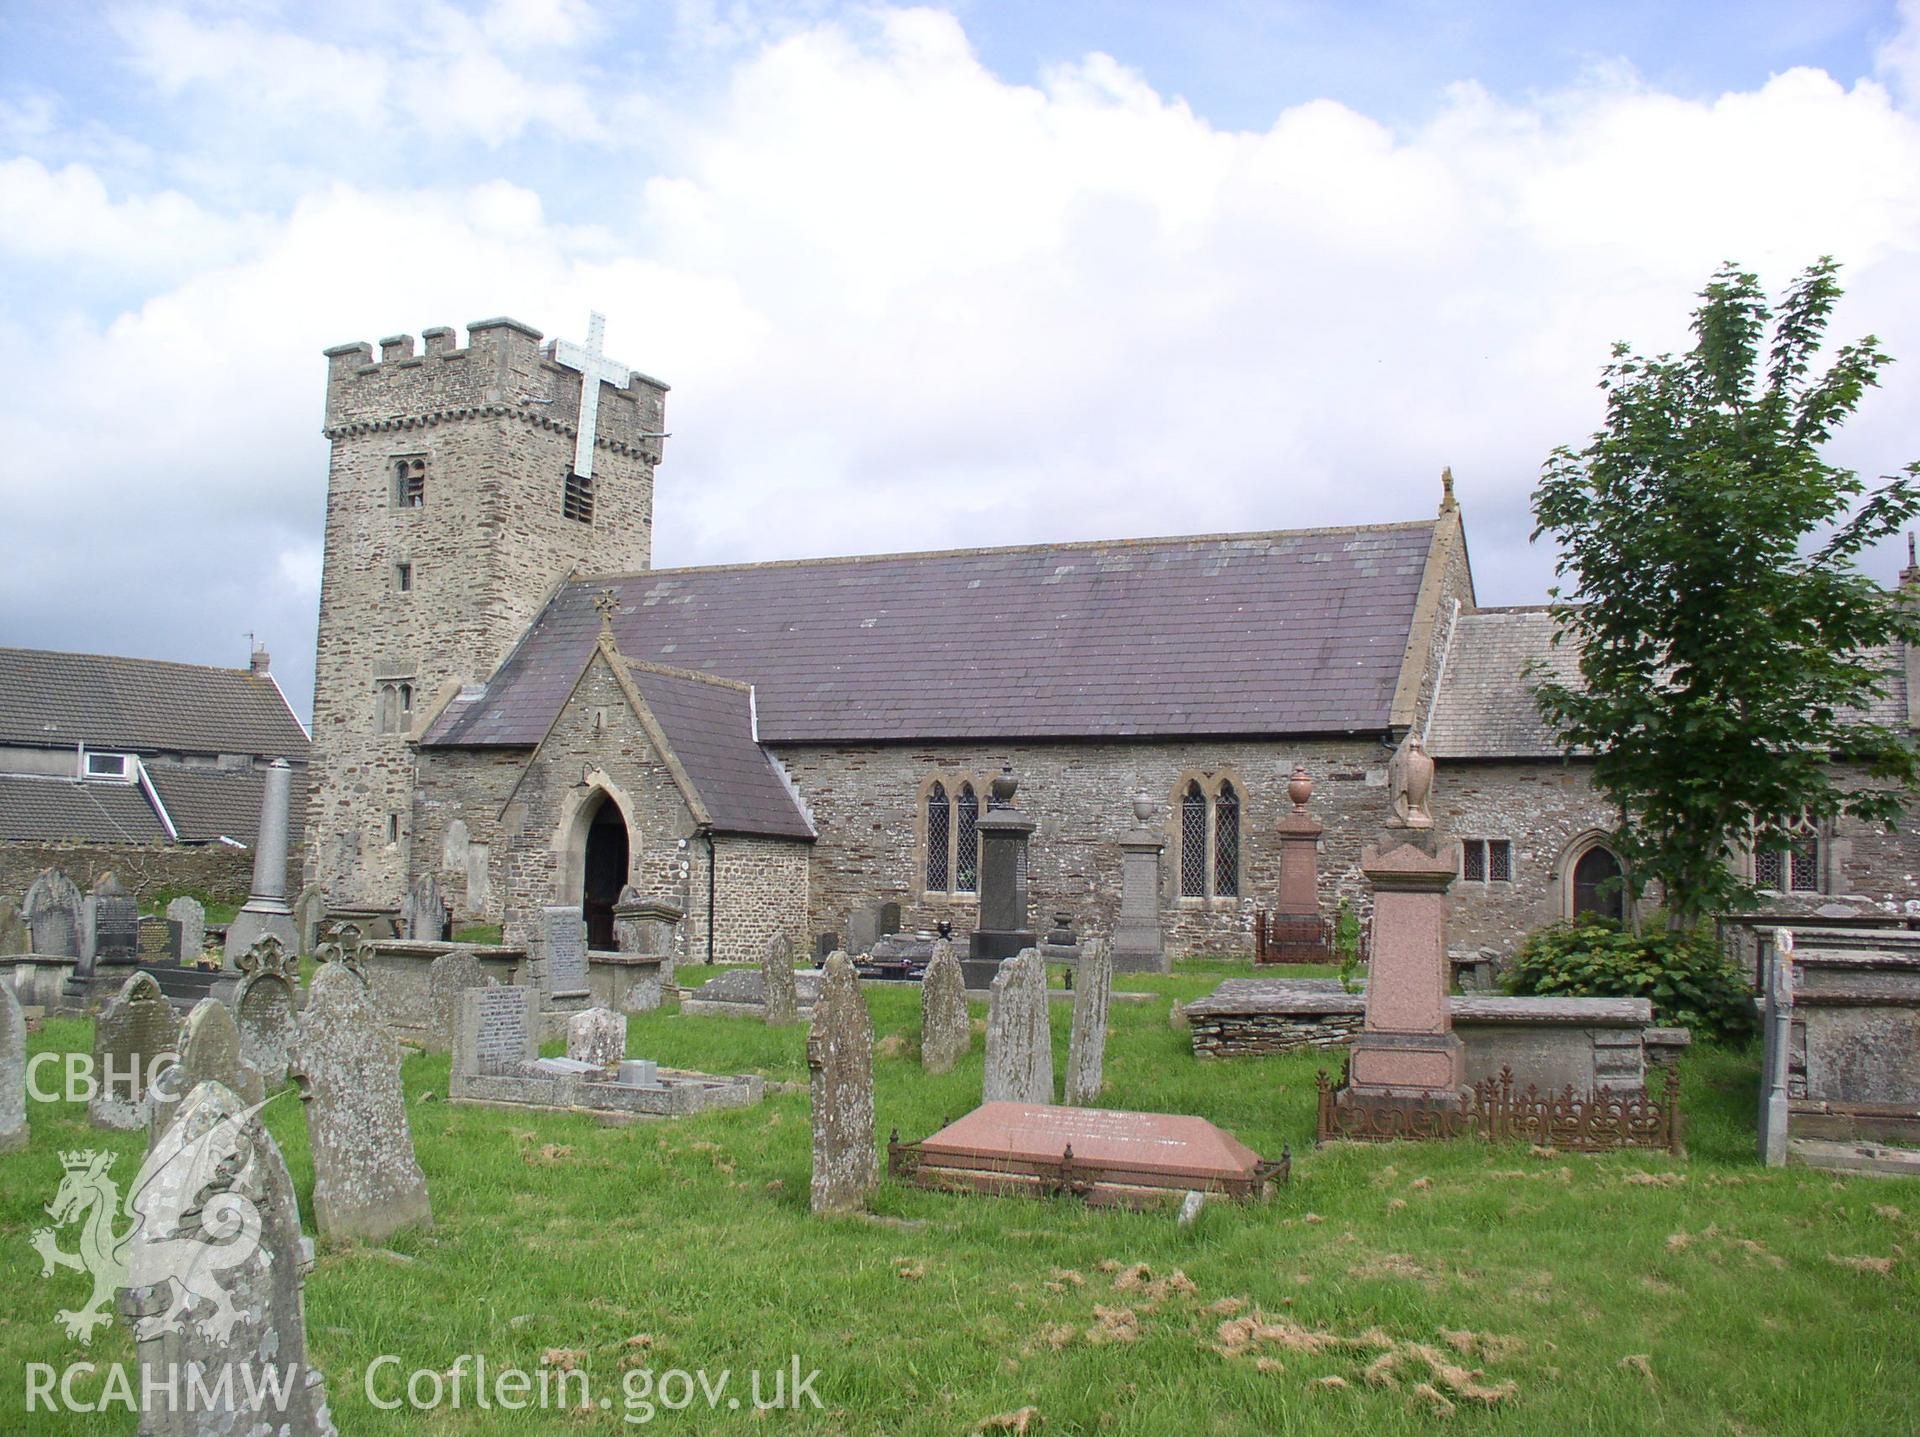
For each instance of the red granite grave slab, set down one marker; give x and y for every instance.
(1102, 1155)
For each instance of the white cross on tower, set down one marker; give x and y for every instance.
(595, 369)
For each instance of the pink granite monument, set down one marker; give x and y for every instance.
(1408, 1050)
(1299, 834)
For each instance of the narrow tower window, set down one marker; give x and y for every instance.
(578, 501)
(410, 481)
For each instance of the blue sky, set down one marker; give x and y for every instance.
(920, 277)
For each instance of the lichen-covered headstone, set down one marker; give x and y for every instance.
(265, 1007)
(946, 1032)
(840, 1060)
(209, 1052)
(136, 1036)
(426, 911)
(366, 1181)
(192, 918)
(597, 1036)
(308, 910)
(1019, 1041)
(777, 981)
(13, 930)
(448, 976)
(215, 1274)
(52, 911)
(1087, 1047)
(13, 1073)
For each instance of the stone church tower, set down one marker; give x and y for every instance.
(458, 497)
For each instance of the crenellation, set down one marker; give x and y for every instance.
(396, 347)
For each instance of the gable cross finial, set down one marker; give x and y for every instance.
(1446, 489)
(606, 605)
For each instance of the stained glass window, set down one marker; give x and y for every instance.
(966, 842)
(1193, 843)
(1770, 869)
(1226, 843)
(1803, 864)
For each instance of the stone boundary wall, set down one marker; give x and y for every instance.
(215, 870)
(1245, 1035)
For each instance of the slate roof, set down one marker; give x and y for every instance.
(1285, 633)
(143, 705)
(709, 726)
(208, 804)
(61, 810)
(1485, 708)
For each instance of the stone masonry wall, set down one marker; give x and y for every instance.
(496, 423)
(216, 870)
(866, 802)
(760, 890)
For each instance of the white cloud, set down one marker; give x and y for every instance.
(1898, 57)
(67, 215)
(905, 303)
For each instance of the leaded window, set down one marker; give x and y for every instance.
(1792, 866)
(1193, 843)
(966, 842)
(1226, 843)
(939, 829)
(1486, 860)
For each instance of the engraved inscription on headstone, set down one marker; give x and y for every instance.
(116, 922)
(502, 1031)
(566, 951)
(159, 941)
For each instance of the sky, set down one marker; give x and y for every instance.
(920, 277)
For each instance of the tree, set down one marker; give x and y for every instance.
(1729, 644)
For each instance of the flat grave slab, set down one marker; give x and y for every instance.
(1105, 1156)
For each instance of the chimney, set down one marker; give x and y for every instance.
(261, 662)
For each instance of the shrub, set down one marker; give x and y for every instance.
(1687, 977)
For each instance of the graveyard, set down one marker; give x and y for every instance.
(1559, 1291)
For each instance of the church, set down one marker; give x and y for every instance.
(510, 698)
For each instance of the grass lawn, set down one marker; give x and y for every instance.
(1629, 1293)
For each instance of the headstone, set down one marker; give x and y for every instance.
(159, 941)
(13, 930)
(648, 926)
(192, 918)
(1407, 1049)
(863, 931)
(366, 1181)
(1003, 930)
(1087, 1047)
(209, 1052)
(1190, 1208)
(566, 944)
(777, 981)
(230, 1312)
(13, 1073)
(496, 1034)
(1299, 834)
(840, 1059)
(597, 1037)
(115, 924)
(308, 912)
(1019, 1040)
(425, 912)
(1776, 1045)
(889, 918)
(946, 1032)
(267, 910)
(448, 976)
(1138, 945)
(52, 911)
(266, 1007)
(135, 1037)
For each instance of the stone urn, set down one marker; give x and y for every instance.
(1000, 791)
(1142, 809)
(1299, 786)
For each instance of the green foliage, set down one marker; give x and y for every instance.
(1346, 946)
(478, 933)
(1709, 558)
(1685, 975)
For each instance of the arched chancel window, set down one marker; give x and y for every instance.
(1597, 885)
(966, 842)
(1226, 842)
(939, 828)
(1193, 842)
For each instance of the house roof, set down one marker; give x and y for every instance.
(709, 727)
(144, 705)
(1485, 707)
(207, 804)
(1299, 631)
(62, 810)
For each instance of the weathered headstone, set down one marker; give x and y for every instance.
(367, 1182)
(496, 1035)
(566, 947)
(1138, 945)
(265, 1008)
(646, 925)
(1776, 1031)
(597, 1036)
(13, 1073)
(112, 924)
(425, 911)
(209, 1052)
(308, 911)
(946, 1032)
(192, 918)
(1019, 1040)
(13, 930)
(136, 1036)
(778, 982)
(863, 930)
(1087, 1047)
(448, 976)
(52, 911)
(840, 1060)
(230, 1312)
(267, 910)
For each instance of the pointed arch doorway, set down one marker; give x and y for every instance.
(603, 871)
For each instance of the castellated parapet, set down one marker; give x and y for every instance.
(451, 514)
